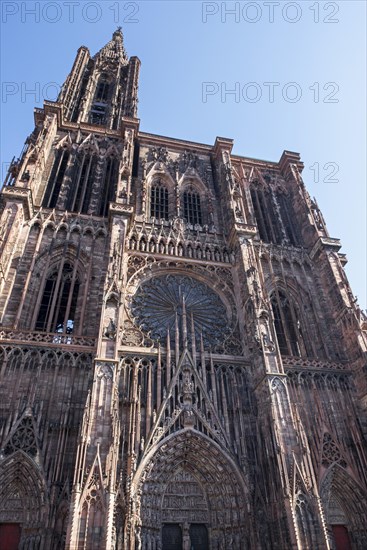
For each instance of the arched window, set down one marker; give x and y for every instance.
(192, 207)
(109, 184)
(59, 299)
(56, 178)
(102, 90)
(159, 201)
(83, 181)
(287, 325)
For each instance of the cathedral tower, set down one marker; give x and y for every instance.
(183, 363)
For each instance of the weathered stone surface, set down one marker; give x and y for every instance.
(182, 359)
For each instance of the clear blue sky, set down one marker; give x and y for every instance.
(319, 46)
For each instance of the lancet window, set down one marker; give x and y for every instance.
(274, 216)
(288, 219)
(109, 185)
(59, 299)
(159, 201)
(192, 207)
(265, 215)
(82, 186)
(287, 325)
(56, 178)
(102, 90)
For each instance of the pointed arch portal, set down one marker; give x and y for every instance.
(345, 504)
(192, 495)
(23, 502)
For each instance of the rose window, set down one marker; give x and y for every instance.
(159, 301)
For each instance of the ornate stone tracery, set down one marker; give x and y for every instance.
(23, 439)
(210, 487)
(217, 281)
(23, 496)
(158, 306)
(331, 453)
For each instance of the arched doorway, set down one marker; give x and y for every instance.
(191, 488)
(23, 505)
(345, 505)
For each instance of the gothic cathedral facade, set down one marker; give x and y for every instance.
(182, 361)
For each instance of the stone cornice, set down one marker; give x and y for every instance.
(325, 243)
(20, 194)
(181, 144)
(120, 209)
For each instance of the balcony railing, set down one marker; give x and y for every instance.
(8, 334)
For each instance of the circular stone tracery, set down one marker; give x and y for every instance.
(160, 300)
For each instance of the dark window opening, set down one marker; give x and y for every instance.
(159, 202)
(266, 217)
(98, 114)
(102, 91)
(98, 110)
(273, 220)
(83, 177)
(81, 184)
(282, 341)
(136, 160)
(64, 322)
(288, 223)
(259, 216)
(291, 329)
(58, 304)
(284, 321)
(192, 208)
(109, 185)
(88, 186)
(56, 179)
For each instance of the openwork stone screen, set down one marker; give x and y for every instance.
(161, 300)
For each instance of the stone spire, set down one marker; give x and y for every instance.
(103, 89)
(114, 49)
